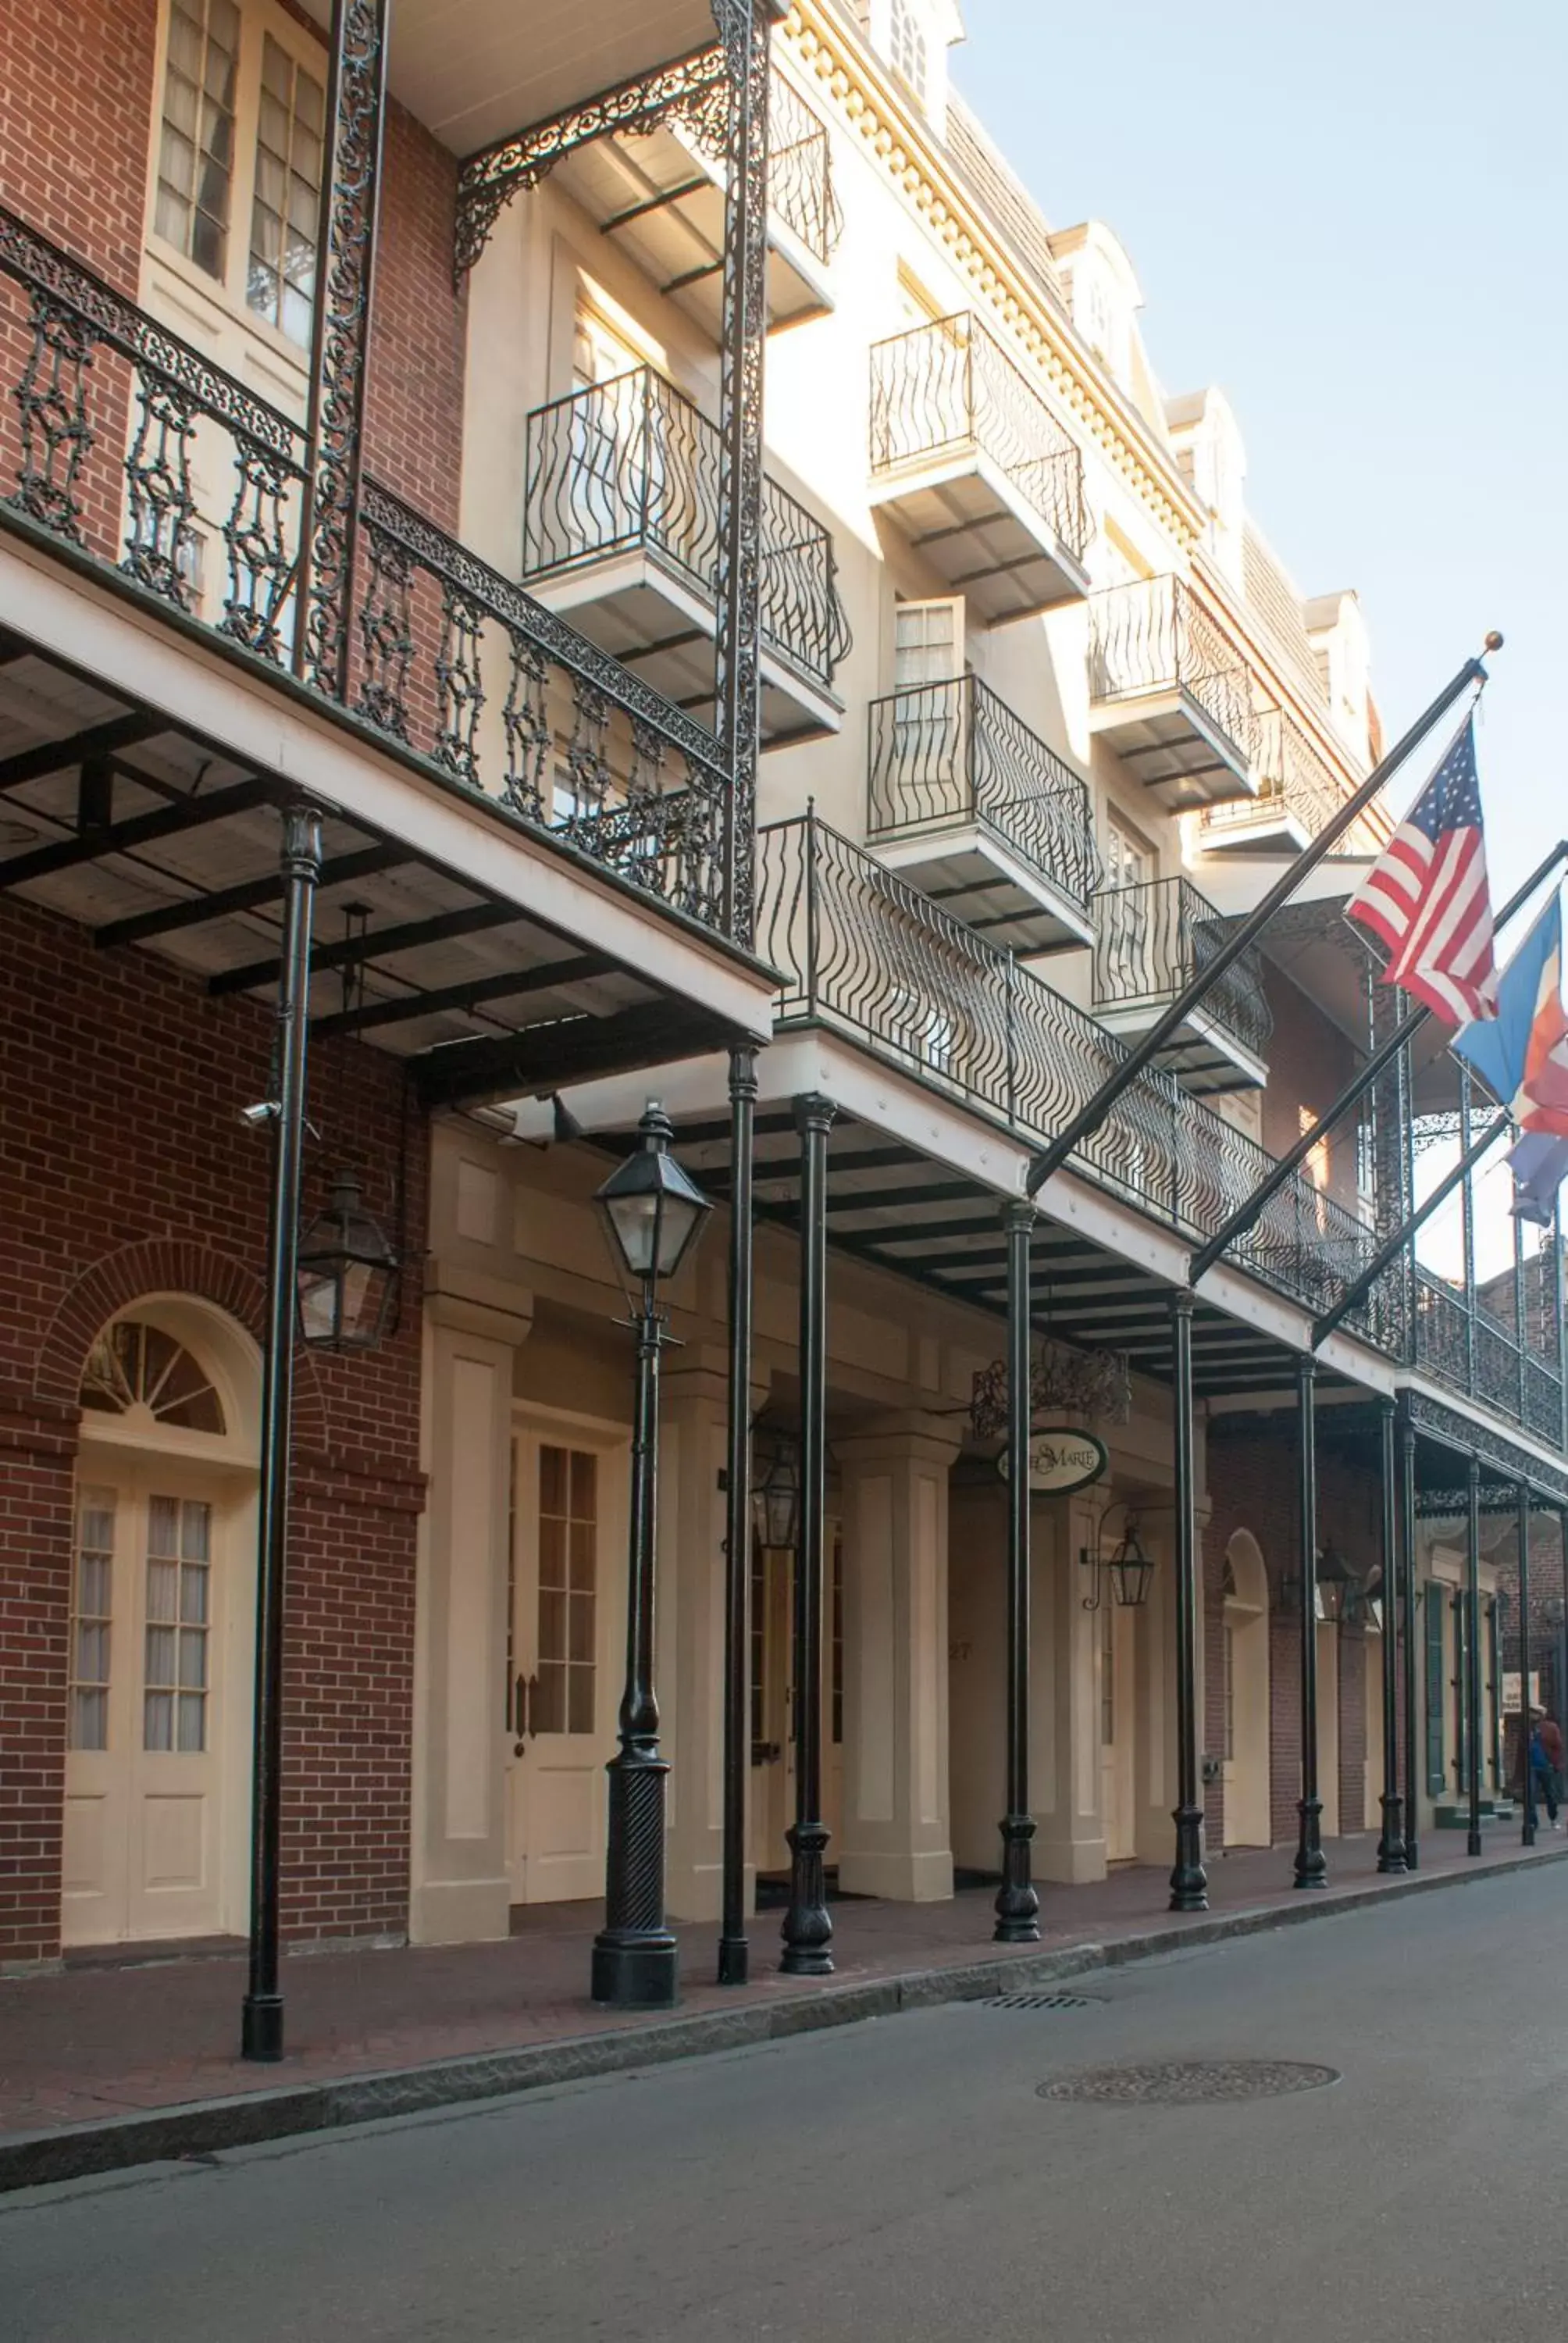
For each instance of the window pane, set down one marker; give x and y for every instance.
(193, 1596)
(549, 1713)
(192, 1721)
(158, 1721)
(552, 1480)
(580, 1716)
(160, 1662)
(585, 1485)
(89, 1720)
(552, 1553)
(585, 1555)
(163, 1590)
(195, 1524)
(193, 1661)
(582, 1628)
(552, 1627)
(164, 1526)
(197, 107)
(284, 213)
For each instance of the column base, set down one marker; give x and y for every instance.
(1017, 1904)
(1312, 1864)
(632, 1971)
(734, 1960)
(261, 2028)
(898, 1878)
(1391, 1846)
(808, 1929)
(460, 1912)
(1189, 1880)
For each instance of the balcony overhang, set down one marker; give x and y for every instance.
(660, 198)
(1266, 827)
(645, 610)
(472, 70)
(1203, 1055)
(973, 874)
(1171, 744)
(141, 771)
(982, 536)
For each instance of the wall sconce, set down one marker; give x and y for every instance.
(1127, 1565)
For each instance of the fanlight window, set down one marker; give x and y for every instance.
(132, 1364)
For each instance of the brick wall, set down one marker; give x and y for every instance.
(1253, 1486)
(125, 1168)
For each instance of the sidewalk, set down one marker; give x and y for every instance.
(100, 2043)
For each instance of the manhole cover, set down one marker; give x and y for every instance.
(1177, 2082)
(1043, 2001)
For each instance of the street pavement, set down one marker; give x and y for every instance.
(904, 2179)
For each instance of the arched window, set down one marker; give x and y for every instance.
(132, 1364)
(908, 46)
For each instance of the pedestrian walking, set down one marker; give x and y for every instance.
(1542, 1769)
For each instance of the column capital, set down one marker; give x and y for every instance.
(814, 1112)
(905, 1432)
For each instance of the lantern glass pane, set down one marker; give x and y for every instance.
(318, 1305)
(634, 1230)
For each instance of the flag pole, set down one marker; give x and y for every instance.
(1357, 1292)
(1247, 1213)
(1088, 1120)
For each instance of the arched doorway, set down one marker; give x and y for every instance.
(161, 1632)
(1246, 1687)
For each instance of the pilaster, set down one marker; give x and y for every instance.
(1067, 1775)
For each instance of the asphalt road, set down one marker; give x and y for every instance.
(905, 2179)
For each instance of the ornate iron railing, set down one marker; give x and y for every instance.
(946, 753)
(800, 158)
(1151, 940)
(128, 445)
(631, 465)
(1154, 636)
(1292, 778)
(861, 950)
(949, 387)
(1476, 1353)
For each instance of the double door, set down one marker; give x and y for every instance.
(773, 1808)
(152, 1702)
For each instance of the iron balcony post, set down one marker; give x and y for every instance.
(1017, 1902)
(734, 1956)
(1472, 1687)
(1391, 1846)
(808, 1930)
(1518, 1322)
(1189, 1882)
(811, 850)
(261, 2023)
(1312, 1866)
(1406, 1443)
(347, 228)
(1527, 1829)
(1467, 1225)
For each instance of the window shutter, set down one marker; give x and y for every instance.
(1436, 1779)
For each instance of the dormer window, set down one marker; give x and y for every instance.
(907, 45)
(914, 35)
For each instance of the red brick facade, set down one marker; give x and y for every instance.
(125, 1168)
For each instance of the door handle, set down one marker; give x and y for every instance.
(520, 1716)
(767, 1753)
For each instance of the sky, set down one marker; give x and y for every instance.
(1353, 218)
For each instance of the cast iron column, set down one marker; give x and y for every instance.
(1189, 1882)
(261, 2024)
(1017, 1903)
(734, 1958)
(744, 28)
(1527, 1829)
(1391, 1846)
(1410, 1673)
(1311, 1865)
(808, 1930)
(1473, 1652)
(635, 1958)
(340, 341)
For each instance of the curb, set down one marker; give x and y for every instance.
(205, 2126)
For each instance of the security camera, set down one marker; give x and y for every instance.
(253, 1117)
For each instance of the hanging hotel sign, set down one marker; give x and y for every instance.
(1062, 1459)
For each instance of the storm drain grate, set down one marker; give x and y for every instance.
(1178, 2082)
(1043, 2001)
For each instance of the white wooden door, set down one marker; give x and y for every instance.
(1118, 1628)
(773, 1702)
(567, 1622)
(145, 1817)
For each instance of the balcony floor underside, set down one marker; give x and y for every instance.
(117, 815)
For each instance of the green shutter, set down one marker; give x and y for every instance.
(1436, 1779)
(1462, 1689)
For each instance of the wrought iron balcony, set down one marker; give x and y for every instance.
(1297, 795)
(659, 192)
(127, 449)
(971, 462)
(621, 529)
(1150, 942)
(973, 806)
(1170, 694)
(1476, 1353)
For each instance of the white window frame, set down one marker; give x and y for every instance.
(257, 20)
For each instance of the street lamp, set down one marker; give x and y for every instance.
(1338, 1585)
(1129, 1568)
(653, 1212)
(776, 1495)
(345, 1278)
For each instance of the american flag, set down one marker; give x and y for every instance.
(1428, 897)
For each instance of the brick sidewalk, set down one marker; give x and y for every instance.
(104, 2040)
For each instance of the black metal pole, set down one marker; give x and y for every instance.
(1527, 1828)
(1089, 1119)
(635, 1961)
(261, 2022)
(734, 1955)
(1406, 1431)
(1473, 1653)
(1391, 1846)
(1311, 1865)
(1017, 1902)
(808, 1930)
(1248, 1210)
(1189, 1881)
(1363, 1285)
